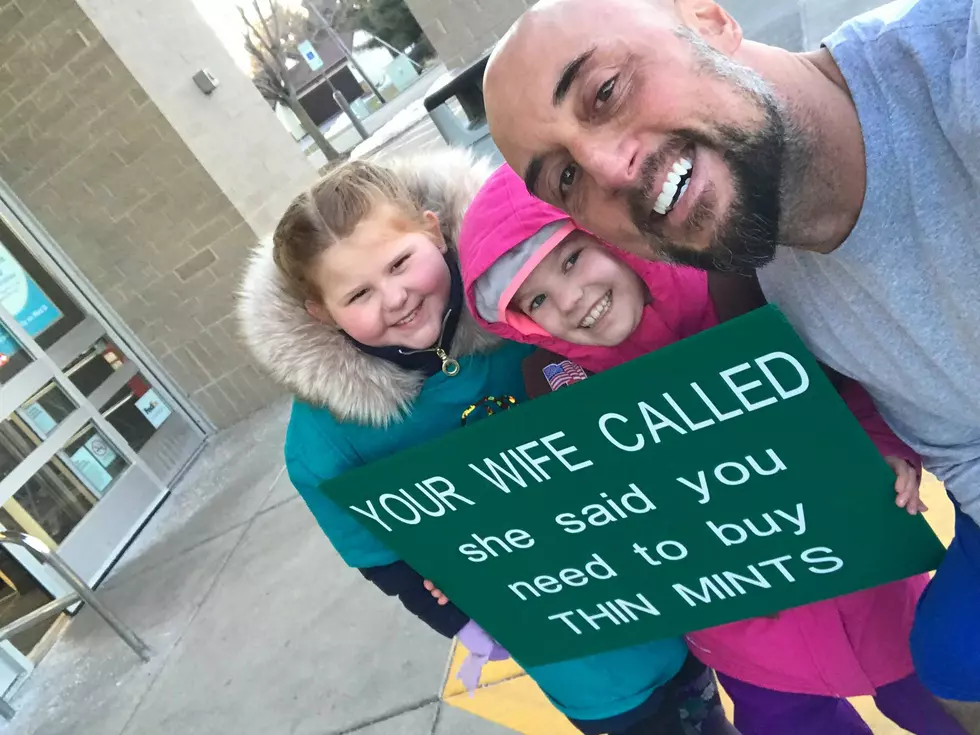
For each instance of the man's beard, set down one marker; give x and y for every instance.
(747, 236)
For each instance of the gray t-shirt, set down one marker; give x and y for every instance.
(897, 306)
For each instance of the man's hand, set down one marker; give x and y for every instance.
(437, 593)
(906, 486)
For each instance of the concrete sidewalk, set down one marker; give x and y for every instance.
(255, 623)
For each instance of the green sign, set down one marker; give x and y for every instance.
(718, 479)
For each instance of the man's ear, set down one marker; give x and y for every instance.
(318, 311)
(432, 225)
(710, 21)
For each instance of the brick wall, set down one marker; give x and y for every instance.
(232, 132)
(461, 30)
(106, 174)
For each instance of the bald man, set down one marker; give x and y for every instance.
(847, 178)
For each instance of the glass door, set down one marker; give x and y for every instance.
(90, 440)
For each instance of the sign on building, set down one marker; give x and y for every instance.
(309, 53)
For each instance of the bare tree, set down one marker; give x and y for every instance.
(268, 42)
(328, 27)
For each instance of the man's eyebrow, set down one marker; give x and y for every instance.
(565, 82)
(532, 172)
(568, 75)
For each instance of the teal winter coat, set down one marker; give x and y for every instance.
(318, 446)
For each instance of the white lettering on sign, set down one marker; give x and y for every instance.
(611, 612)
(732, 474)
(595, 569)
(728, 585)
(677, 410)
(502, 474)
(732, 534)
(438, 492)
(484, 549)
(609, 511)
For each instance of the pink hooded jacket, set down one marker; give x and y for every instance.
(844, 647)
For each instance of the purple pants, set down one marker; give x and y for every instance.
(766, 712)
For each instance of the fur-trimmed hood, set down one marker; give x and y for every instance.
(318, 363)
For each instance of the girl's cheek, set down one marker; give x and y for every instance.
(623, 283)
(424, 284)
(635, 299)
(371, 326)
(434, 280)
(357, 324)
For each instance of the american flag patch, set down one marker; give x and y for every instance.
(560, 374)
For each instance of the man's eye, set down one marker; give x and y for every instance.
(566, 180)
(605, 92)
(536, 302)
(570, 261)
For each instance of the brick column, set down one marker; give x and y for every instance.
(461, 30)
(157, 207)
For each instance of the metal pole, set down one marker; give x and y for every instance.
(355, 121)
(85, 592)
(343, 47)
(44, 555)
(26, 622)
(346, 108)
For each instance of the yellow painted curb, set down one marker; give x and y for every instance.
(508, 697)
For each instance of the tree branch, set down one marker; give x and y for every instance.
(270, 40)
(274, 11)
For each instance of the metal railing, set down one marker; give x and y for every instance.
(81, 592)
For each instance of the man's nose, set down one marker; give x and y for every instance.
(613, 162)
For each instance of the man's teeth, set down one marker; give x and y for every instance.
(674, 186)
(598, 311)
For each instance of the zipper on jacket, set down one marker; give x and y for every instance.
(450, 365)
